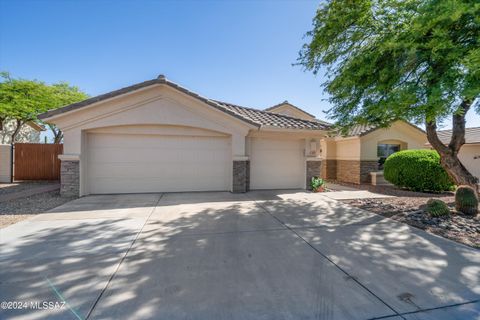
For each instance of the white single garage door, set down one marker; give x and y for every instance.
(130, 163)
(277, 164)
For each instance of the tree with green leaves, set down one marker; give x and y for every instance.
(63, 94)
(23, 100)
(386, 60)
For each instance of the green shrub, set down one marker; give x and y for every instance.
(317, 184)
(466, 200)
(437, 208)
(417, 170)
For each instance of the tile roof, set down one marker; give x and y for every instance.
(252, 116)
(472, 135)
(266, 118)
(360, 130)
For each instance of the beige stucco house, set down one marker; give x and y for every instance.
(157, 136)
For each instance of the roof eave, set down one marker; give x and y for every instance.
(91, 102)
(292, 129)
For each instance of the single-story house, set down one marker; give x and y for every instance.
(157, 136)
(30, 132)
(469, 153)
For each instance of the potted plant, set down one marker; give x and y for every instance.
(317, 184)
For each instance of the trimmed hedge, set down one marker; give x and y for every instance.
(417, 170)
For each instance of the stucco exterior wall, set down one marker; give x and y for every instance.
(152, 106)
(348, 149)
(5, 163)
(288, 110)
(469, 155)
(399, 133)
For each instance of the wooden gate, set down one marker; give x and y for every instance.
(36, 161)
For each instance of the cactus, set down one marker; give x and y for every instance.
(466, 200)
(437, 208)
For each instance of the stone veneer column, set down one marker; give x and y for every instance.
(241, 176)
(70, 178)
(329, 169)
(365, 168)
(314, 169)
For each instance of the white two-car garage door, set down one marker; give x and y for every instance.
(129, 163)
(277, 164)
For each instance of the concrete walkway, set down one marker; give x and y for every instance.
(268, 255)
(340, 192)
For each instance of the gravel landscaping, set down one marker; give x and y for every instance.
(19, 209)
(410, 210)
(7, 188)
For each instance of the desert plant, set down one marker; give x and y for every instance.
(466, 200)
(417, 170)
(437, 208)
(317, 184)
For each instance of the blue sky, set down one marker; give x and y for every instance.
(237, 51)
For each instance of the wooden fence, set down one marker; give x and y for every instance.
(36, 161)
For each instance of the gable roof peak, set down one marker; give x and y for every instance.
(291, 105)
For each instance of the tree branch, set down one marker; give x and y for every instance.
(17, 130)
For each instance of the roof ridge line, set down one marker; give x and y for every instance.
(268, 112)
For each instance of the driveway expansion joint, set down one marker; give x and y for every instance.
(332, 262)
(123, 258)
(203, 234)
(428, 309)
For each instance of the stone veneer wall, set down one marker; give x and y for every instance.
(348, 171)
(329, 169)
(314, 169)
(241, 176)
(355, 171)
(70, 178)
(365, 168)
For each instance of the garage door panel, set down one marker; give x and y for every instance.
(126, 163)
(277, 164)
(148, 170)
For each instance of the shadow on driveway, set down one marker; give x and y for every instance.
(269, 255)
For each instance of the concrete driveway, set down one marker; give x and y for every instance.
(261, 255)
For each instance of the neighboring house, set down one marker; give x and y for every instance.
(157, 136)
(469, 153)
(30, 132)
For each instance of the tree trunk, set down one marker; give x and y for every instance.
(449, 153)
(58, 137)
(57, 134)
(17, 130)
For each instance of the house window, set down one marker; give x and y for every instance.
(384, 150)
